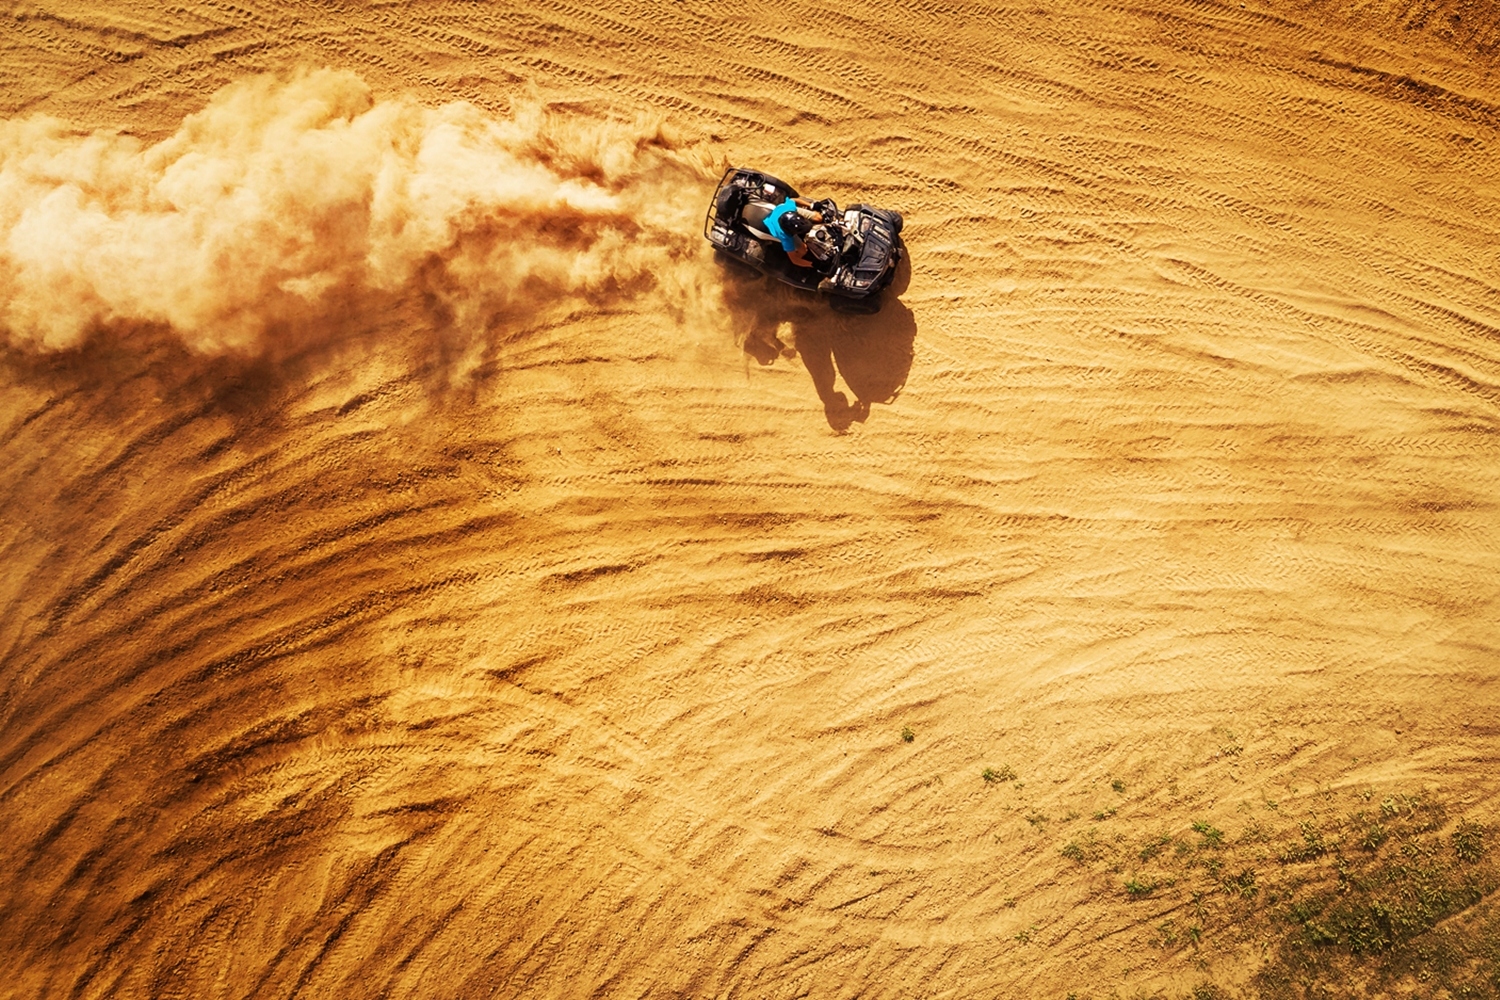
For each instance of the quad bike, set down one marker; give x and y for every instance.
(852, 255)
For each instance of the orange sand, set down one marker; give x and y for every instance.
(565, 651)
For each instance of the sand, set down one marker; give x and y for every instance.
(434, 642)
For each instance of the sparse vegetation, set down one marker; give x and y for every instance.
(1311, 847)
(1154, 847)
(1468, 842)
(1084, 849)
(1242, 884)
(1212, 835)
(1004, 774)
(1394, 900)
(907, 735)
(1375, 834)
(1118, 786)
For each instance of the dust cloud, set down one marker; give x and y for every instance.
(287, 196)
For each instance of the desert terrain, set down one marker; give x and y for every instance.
(429, 573)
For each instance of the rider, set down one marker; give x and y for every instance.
(792, 229)
(791, 222)
(792, 225)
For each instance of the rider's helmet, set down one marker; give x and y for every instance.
(794, 225)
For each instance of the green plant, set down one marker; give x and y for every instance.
(907, 735)
(1153, 847)
(1242, 884)
(1312, 846)
(1398, 909)
(1082, 849)
(1004, 774)
(1468, 842)
(1138, 889)
(1038, 820)
(1212, 835)
(1118, 786)
(1319, 934)
(1375, 834)
(1024, 936)
(1231, 747)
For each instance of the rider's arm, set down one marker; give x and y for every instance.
(805, 209)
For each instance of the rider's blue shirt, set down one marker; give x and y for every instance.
(773, 224)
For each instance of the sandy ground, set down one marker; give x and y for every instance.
(571, 656)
